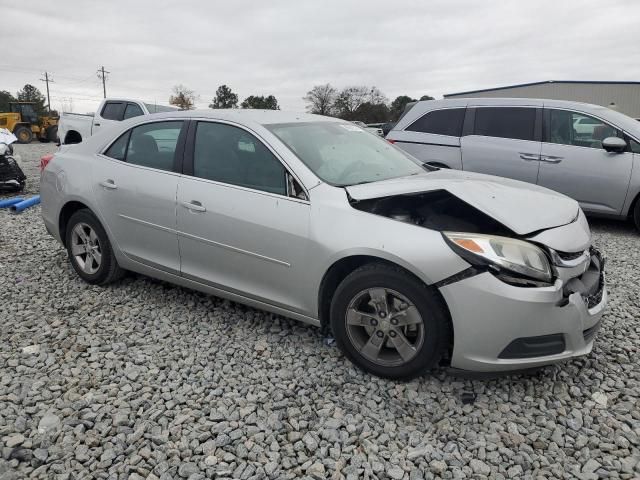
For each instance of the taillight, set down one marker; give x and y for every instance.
(44, 161)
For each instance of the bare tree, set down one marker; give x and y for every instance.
(350, 99)
(320, 99)
(183, 98)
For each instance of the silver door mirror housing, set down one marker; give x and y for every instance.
(614, 144)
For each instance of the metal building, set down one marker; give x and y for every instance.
(621, 96)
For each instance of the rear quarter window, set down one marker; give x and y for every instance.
(440, 122)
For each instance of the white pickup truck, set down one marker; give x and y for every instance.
(74, 127)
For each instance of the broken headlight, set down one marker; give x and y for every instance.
(502, 253)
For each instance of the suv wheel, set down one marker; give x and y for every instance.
(388, 323)
(636, 214)
(89, 249)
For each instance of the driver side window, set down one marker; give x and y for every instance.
(229, 154)
(572, 128)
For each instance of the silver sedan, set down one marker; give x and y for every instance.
(312, 218)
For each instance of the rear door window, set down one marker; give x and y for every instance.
(440, 122)
(112, 111)
(151, 145)
(505, 122)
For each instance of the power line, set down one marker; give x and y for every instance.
(46, 79)
(102, 74)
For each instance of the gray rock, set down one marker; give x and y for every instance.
(14, 440)
(49, 423)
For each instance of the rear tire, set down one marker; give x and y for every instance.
(52, 133)
(89, 249)
(389, 323)
(24, 134)
(636, 214)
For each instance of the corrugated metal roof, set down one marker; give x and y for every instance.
(543, 83)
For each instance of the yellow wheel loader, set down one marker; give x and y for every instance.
(25, 124)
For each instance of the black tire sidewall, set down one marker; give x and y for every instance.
(17, 134)
(102, 274)
(636, 214)
(434, 317)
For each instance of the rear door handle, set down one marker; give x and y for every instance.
(529, 157)
(551, 159)
(110, 184)
(96, 124)
(195, 206)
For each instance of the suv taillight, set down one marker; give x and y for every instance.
(44, 161)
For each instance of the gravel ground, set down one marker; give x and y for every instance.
(146, 380)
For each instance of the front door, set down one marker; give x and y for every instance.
(238, 228)
(135, 186)
(504, 142)
(573, 161)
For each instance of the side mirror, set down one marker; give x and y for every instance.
(614, 144)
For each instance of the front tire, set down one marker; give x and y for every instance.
(636, 214)
(389, 323)
(23, 134)
(89, 249)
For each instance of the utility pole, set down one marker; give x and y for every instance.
(46, 79)
(102, 75)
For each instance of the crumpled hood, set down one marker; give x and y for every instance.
(522, 207)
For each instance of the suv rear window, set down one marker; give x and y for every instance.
(505, 122)
(440, 122)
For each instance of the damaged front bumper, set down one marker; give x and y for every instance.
(500, 327)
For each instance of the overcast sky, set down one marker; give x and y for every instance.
(284, 47)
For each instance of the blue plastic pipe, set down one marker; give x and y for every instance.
(18, 207)
(10, 201)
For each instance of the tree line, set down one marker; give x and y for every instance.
(367, 104)
(185, 99)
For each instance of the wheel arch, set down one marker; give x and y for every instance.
(21, 124)
(632, 206)
(72, 137)
(66, 212)
(342, 267)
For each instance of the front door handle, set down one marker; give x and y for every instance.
(195, 206)
(550, 159)
(110, 184)
(529, 157)
(96, 124)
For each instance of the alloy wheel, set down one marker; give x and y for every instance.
(85, 248)
(384, 326)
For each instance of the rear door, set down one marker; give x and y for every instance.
(135, 183)
(110, 113)
(573, 161)
(503, 141)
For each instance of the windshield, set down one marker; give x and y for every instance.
(343, 154)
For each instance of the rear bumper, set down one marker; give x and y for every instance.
(499, 327)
